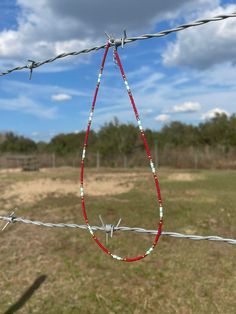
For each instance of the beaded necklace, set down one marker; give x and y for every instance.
(158, 195)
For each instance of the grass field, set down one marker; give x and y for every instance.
(63, 271)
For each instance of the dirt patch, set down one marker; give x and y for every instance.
(10, 170)
(185, 177)
(95, 185)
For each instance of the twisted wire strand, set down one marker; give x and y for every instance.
(119, 42)
(13, 219)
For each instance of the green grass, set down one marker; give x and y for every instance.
(180, 276)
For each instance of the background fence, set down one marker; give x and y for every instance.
(204, 157)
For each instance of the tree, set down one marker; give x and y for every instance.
(17, 144)
(64, 144)
(117, 139)
(179, 134)
(215, 131)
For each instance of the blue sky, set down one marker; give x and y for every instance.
(188, 76)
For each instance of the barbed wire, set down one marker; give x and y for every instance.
(116, 42)
(119, 42)
(110, 229)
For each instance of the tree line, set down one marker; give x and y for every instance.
(115, 138)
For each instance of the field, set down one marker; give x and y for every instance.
(47, 270)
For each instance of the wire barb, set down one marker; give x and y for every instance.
(31, 66)
(123, 39)
(126, 41)
(109, 228)
(116, 42)
(9, 219)
(117, 228)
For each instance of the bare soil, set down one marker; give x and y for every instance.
(34, 190)
(182, 176)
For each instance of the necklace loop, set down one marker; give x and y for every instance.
(148, 251)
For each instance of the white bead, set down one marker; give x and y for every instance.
(99, 77)
(152, 167)
(116, 257)
(127, 86)
(149, 251)
(90, 230)
(161, 211)
(90, 116)
(81, 191)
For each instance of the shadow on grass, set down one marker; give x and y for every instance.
(27, 295)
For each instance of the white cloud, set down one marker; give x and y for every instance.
(205, 88)
(213, 112)
(28, 106)
(49, 27)
(162, 118)
(139, 72)
(61, 97)
(39, 135)
(147, 111)
(35, 134)
(221, 76)
(186, 107)
(204, 46)
(149, 82)
(39, 90)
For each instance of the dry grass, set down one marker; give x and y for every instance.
(185, 176)
(181, 276)
(36, 189)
